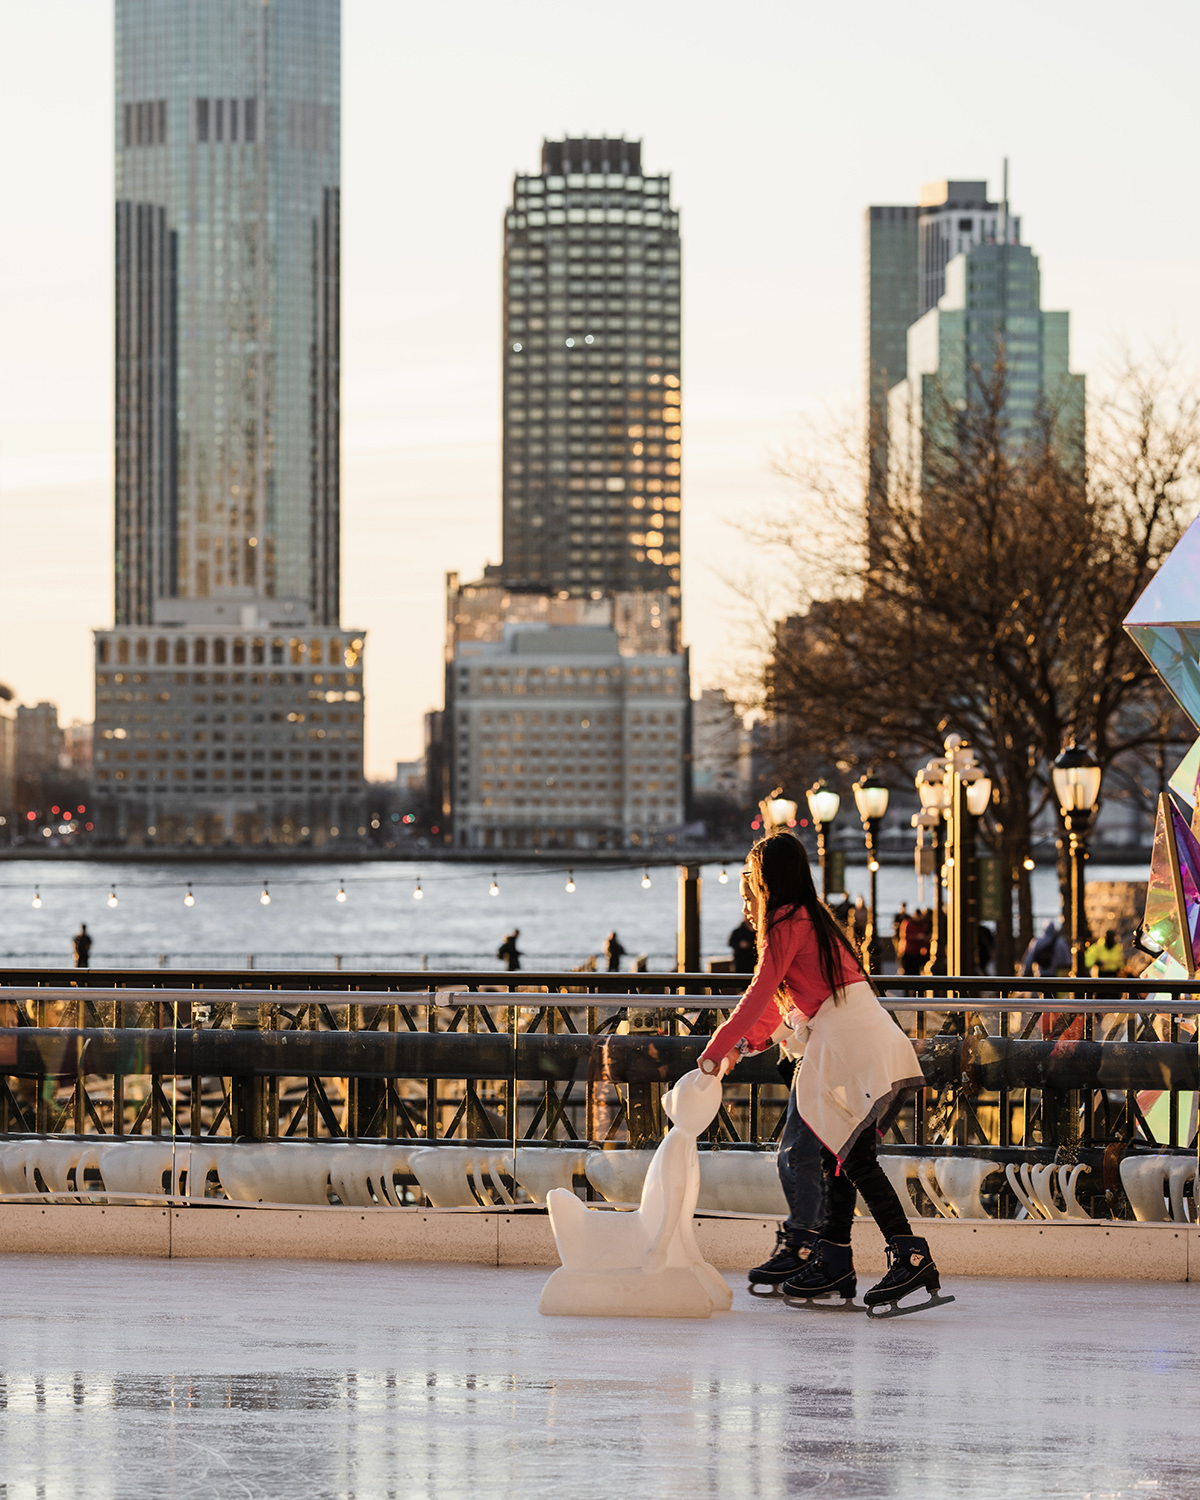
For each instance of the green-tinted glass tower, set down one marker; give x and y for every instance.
(227, 293)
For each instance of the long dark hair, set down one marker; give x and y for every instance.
(780, 878)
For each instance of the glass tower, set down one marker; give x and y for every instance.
(591, 376)
(227, 297)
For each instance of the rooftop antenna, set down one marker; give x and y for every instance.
(1004, 209)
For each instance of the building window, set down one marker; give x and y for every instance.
(180, 653)
(202, 120)
(250, 121)
(218, 652)
(200, 656)
(102, 652)
(161, 650)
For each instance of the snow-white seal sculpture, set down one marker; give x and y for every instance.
(642, 1264)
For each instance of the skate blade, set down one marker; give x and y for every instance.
(825, 1304)
(894, 1310)
(764, 1289)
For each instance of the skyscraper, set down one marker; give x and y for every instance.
(592, 376)
(989, 313)
(227, 134)
(908, 247)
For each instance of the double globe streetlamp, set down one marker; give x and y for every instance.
(823, 805)
(871, 799)
(1076, 776)
(955, 794)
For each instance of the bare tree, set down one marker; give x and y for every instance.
(983, 590)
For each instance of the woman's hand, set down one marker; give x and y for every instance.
(723, 1065)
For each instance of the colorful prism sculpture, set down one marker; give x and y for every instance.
(1184, 781)
(1173, 893)
(1165, 622)
(1165, 625)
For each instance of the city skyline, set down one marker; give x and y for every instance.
(422, 390)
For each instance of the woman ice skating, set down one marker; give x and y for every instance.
(856, 1062)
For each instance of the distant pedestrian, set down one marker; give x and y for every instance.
(614, 951)
(1047, 955)
(898, 922)
(83, 947)
(508, 953)
(1104, 959)
(744, 945)
(916, 932)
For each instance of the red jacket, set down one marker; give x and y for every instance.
(790, 957)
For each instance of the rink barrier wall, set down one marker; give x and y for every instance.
(486, 1237)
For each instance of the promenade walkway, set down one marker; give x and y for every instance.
(126, 1378)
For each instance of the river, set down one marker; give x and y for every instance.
(457, 923)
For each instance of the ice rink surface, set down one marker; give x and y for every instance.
(230, 1379)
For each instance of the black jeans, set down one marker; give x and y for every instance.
(800, 1173)
(860, 1172)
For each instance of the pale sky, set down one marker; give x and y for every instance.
(779, 121)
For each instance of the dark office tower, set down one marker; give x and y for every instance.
(591, 376)
(227, 293)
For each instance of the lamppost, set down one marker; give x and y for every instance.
(1076, 776)
(931, 788)
(823, 807)
(871, 798)
(954, 788)
(777, 811)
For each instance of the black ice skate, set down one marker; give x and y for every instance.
(827, 1275)
(910, 1266)
(792, 1251)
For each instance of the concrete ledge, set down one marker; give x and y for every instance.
(1110, 1251)
(83, 1229)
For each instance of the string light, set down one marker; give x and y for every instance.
(646, 878)
(418, 893)
(570, 882)
(189, 899)
(112, 896)
(341, 891)
(1028, 861)
(723, 877)
(493, 889)
(37, 898)
(873, 866)
(265, 898)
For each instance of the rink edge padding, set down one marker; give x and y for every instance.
(1105, 1250)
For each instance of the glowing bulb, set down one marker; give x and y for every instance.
(265, 898)
(873, 866)
(493, 889)
(723, 877)
(112, 897)
(570, 881)
(341, 891)
(418, 894)
(37, 898)
(646, 879)
(189, 899)
(1029, 862)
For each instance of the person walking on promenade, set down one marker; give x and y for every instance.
(915, 934)
(614, 951)
(83, 947)
(744, 946)
(856, 1063)
(1104, 958)
(508, 953)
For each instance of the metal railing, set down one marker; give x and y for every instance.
(1083, 1073)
